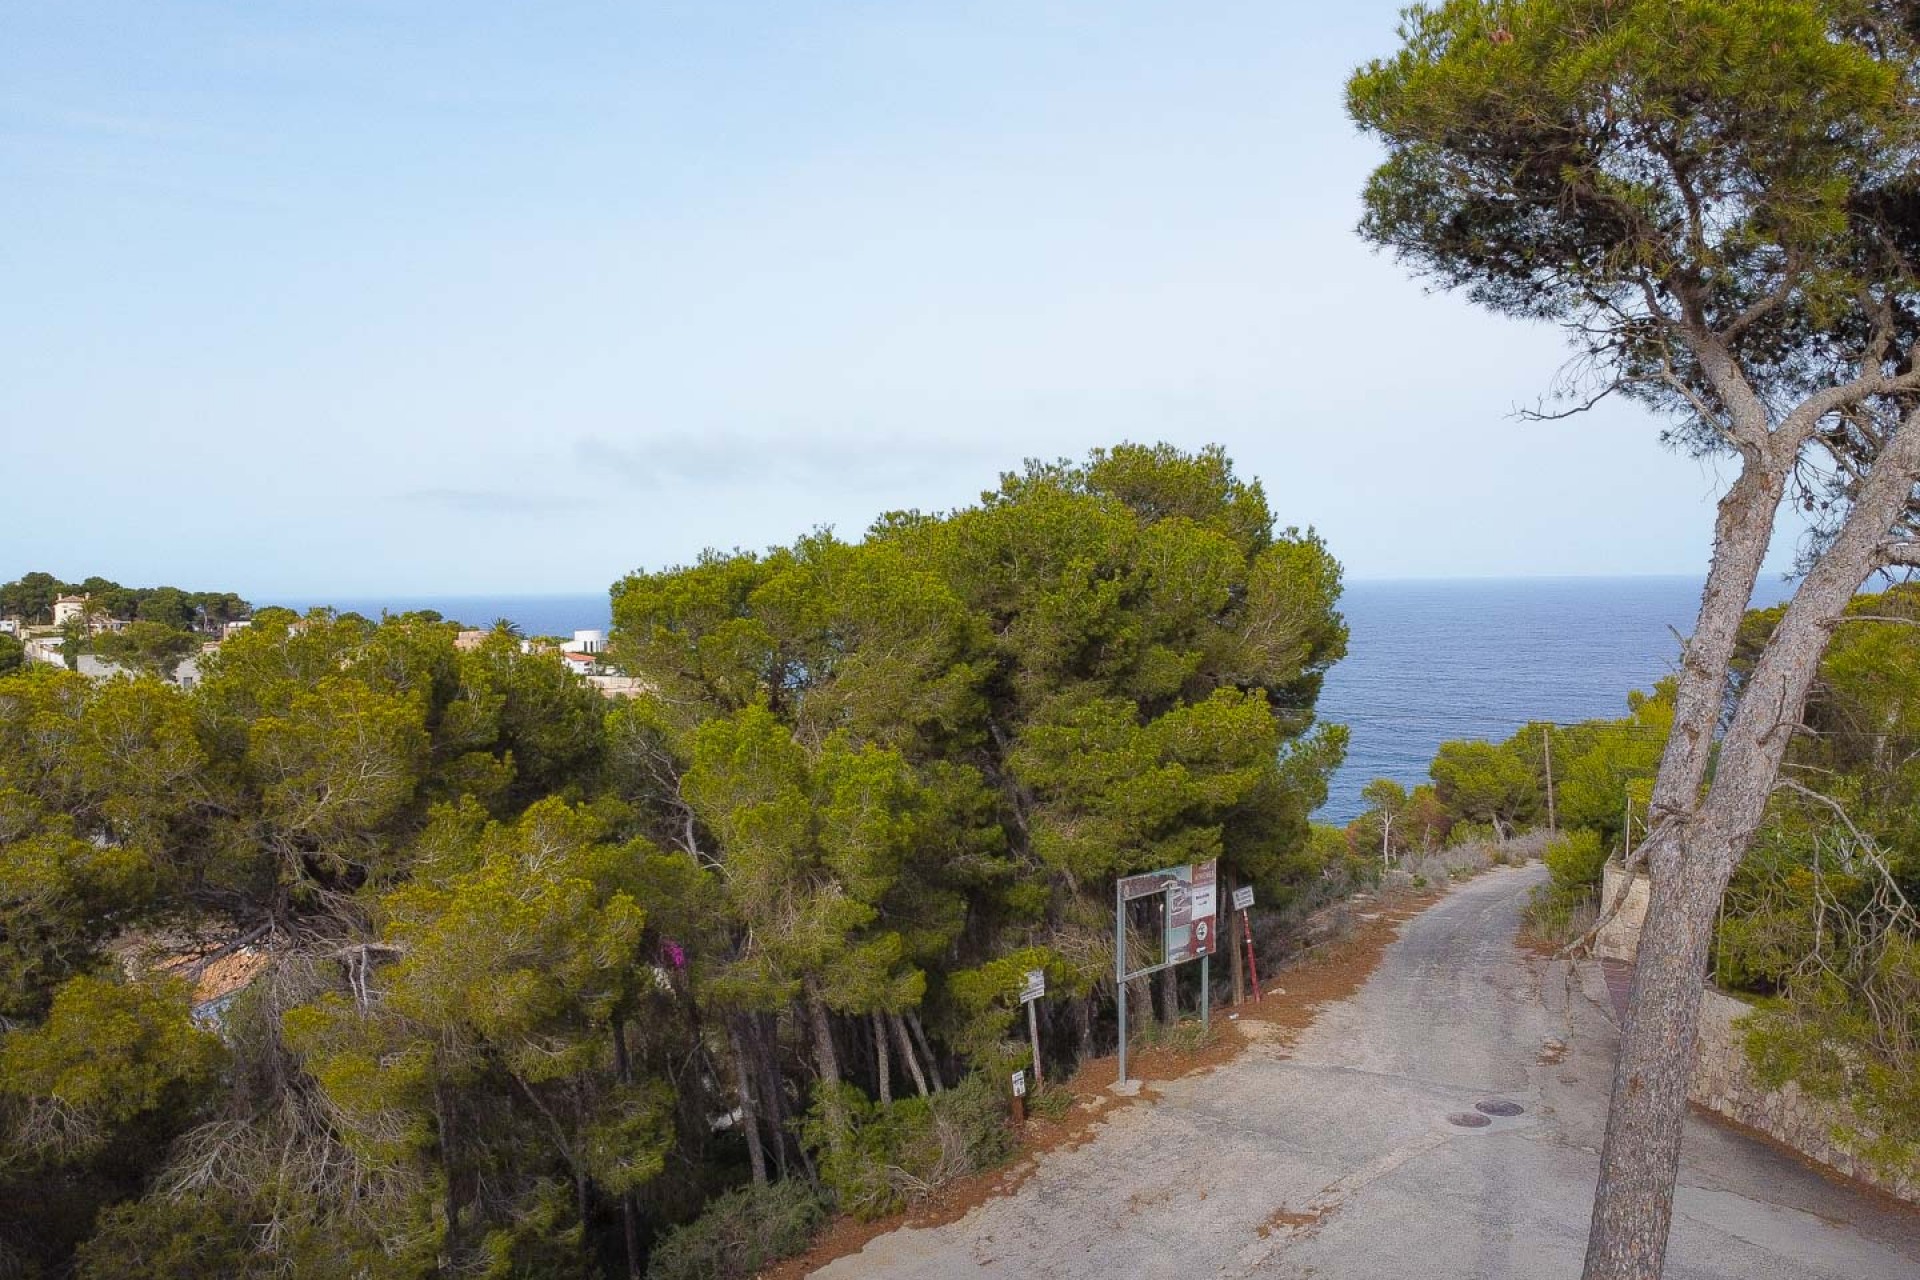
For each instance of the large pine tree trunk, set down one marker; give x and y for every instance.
(1691, 860)
(1633, 1204)
(1742, 533)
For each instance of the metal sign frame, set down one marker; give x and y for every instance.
(1190, 921)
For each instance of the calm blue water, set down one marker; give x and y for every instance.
(1427, 661)
(535, 615)
(1477, 658)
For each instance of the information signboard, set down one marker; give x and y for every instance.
(1189, 926)
(1036, 987)
(1191, 907)
(1243, 897)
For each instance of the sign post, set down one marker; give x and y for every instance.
(1019, 1097)
(1242, 899)
(1189, 922)
(1030, 996)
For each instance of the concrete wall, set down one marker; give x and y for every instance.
(1723, 1083)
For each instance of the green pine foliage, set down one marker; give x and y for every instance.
(533, 978)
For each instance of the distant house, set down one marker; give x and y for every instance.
(231, 629)
(187, 674)
(588, 642)
(583, 664)
(69, 609)
(619, 686)
(9, 626)
(469, 639)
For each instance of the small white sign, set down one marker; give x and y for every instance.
(1020, 1084)
(1243, 897)
(1202, 898)
(1036, 986)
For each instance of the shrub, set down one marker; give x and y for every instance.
(739, 1233)
(1576, 860)
(1565, 906)
(1051, 1103)
(889, 1156)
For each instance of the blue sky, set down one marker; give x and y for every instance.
(355, 297)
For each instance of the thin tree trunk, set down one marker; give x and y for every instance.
(765, 1028)
(1690, 863)
(749, 1109)
(907, 1054)
(828, 1063)
(920, 1038)
(445, 1118)
(1742, 533)
(1083, 1022)
(629, 1209)
(883, 1067)
(1169, 995)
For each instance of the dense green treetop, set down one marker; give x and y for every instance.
(31, 597)
(508, 977)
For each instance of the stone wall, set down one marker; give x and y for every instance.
(1723, 1079)
(1723, 1083)
(1619, 937)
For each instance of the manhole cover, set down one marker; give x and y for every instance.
(1469, 1120)
(1499, 1107)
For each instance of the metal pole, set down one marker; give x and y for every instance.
(1120, 972)
(1246, 931)
(1206, 993)
(1033, 1033)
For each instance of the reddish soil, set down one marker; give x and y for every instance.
(1326, 972)
(1284, 1219)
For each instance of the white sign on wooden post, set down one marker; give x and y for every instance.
(1243, 897)
(1036, 987)
(1020, 1084)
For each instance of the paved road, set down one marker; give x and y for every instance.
(1335, 1159)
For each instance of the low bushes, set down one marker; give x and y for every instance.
(891, 1155)
(1565, 906)
(741, 1232)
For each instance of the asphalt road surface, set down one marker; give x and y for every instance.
(1336, 1158)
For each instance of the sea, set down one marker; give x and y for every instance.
(1427, 660)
